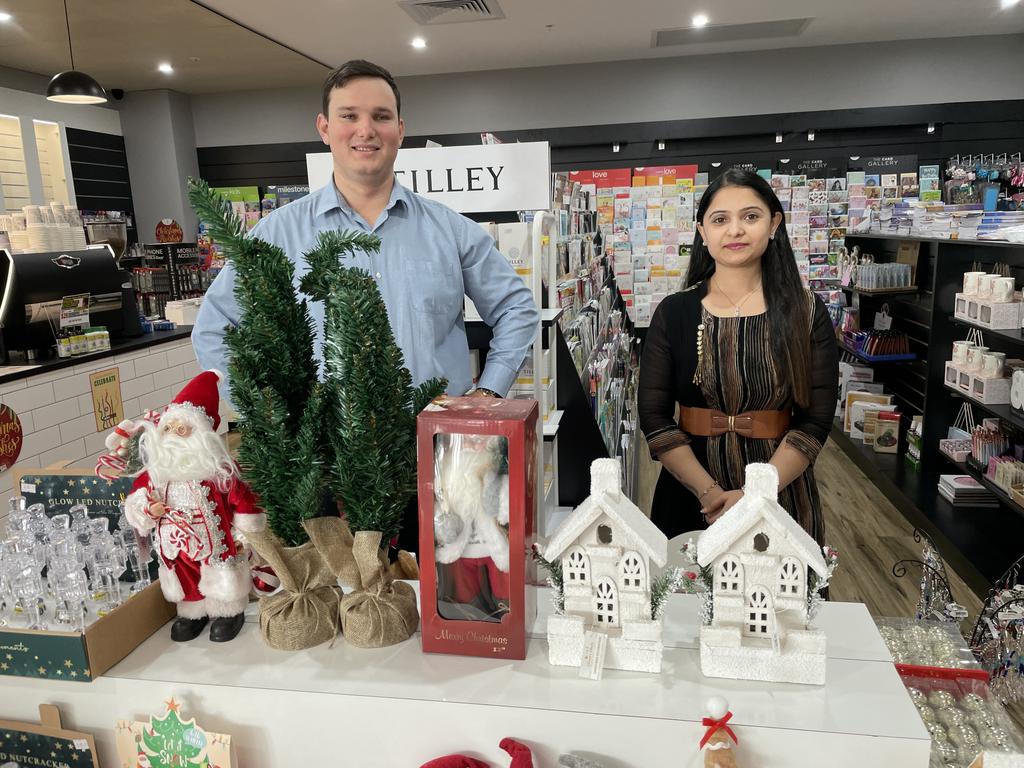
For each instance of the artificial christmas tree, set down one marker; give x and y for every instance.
(353, 434)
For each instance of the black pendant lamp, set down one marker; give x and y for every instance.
(74, 87)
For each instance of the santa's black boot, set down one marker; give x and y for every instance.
(226, 628)
(183, 630)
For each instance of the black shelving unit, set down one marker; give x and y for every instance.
(979, 542)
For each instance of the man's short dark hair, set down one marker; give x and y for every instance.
(352, 70)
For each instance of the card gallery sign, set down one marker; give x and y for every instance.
(468, 179)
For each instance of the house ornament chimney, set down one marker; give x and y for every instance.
(605, 477)
(762, 481)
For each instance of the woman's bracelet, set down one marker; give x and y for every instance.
(708, 490)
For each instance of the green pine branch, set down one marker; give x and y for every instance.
(214, 210)
(356, 431)
(371, 404)
(555, 577)
(272, 371)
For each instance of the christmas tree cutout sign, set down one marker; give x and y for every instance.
(171, 742)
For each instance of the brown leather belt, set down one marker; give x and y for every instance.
(759, 425)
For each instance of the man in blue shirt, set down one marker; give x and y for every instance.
(430, 256)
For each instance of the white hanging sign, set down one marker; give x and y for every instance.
(468, 179)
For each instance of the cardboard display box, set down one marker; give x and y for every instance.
(79, 656)
(82, 657)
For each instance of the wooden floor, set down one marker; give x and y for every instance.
(870, 535)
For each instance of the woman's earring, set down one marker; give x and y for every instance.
(771, 236)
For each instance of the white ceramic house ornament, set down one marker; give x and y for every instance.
(760, 558)
(606, 548)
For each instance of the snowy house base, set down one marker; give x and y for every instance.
(636, 647)
(799, 659)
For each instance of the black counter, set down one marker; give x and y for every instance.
(117, 347)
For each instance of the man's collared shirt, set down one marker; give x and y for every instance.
(430, 257)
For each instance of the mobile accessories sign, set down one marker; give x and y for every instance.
(469, 179)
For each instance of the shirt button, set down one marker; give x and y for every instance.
(378, 275)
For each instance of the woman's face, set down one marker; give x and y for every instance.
(737, 226)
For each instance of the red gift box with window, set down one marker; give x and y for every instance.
(477, 467)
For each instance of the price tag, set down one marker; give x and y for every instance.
(595, 645)
(883, 320)
(74, 310)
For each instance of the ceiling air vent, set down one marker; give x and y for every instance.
(452, 11)
(724, 33)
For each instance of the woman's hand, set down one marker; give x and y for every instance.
(719, 504)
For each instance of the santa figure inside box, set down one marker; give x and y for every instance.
(188, 498)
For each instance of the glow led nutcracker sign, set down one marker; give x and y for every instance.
(468, 179)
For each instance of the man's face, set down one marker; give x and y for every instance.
(363, 130)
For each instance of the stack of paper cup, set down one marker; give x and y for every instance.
(74, 218)
(38, 234)
(5, 227)
(18, 233)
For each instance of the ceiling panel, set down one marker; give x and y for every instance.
(120, 42)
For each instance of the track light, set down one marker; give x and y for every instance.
(716, 165)
(615, 147)
(931, 127)
(778, 137)
(810, 135)
(661, 145)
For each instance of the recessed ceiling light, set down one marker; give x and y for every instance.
(419, 43)
(166, 68)
(1004, 4)
(4, 16)
(700, 20)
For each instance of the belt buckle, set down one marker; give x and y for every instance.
(732, 423)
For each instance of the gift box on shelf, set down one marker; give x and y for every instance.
(477, 469)
(993, 315)
(957, 449)
(995, 391)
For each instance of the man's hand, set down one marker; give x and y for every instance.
(720, 504)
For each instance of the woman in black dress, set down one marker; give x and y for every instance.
(749, 355)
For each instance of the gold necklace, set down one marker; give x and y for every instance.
(742, 301)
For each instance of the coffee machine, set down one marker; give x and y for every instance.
(32, 287)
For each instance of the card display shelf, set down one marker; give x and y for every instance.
(878, 358)
(400, 706)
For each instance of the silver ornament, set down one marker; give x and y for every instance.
(917, 695)
(941, 699)
(927, 713)
(950, 717)
(447, 527)
(972, 702)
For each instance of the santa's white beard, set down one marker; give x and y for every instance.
(202, 455)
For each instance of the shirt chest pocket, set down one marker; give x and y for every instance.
(433, 287)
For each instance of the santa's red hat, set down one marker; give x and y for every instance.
(200, 396)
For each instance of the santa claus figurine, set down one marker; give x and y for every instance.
(189, 497)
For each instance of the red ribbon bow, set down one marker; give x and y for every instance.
(713, 725)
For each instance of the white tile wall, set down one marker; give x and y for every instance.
(56, 413)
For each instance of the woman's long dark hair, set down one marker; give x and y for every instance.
(784, 293)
